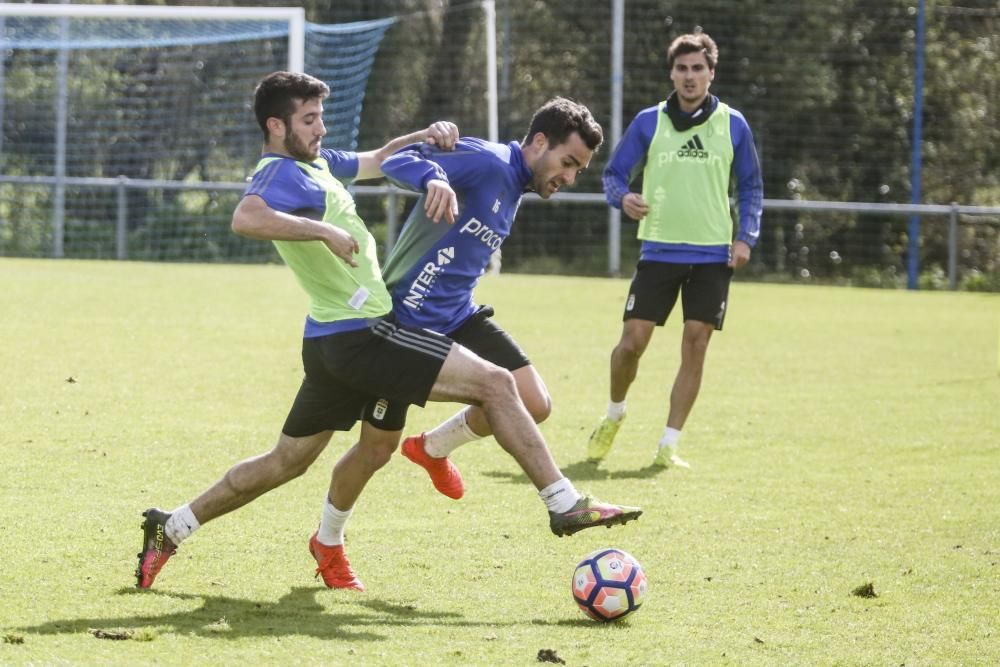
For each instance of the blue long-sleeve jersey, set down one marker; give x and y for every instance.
(434, 267)
(629, 158)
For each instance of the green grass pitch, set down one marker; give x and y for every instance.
(843, 437)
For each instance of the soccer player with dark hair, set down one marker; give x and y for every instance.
(360, 362)
(433, 268)
(686, 148)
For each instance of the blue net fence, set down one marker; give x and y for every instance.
(150, 100)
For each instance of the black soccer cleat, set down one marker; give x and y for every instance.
(156, 547)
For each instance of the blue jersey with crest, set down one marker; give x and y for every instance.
(434, 267)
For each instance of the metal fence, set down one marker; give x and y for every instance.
(123, 239)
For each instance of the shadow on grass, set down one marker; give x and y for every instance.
(297, 613)
(587, 624)
(584, 471)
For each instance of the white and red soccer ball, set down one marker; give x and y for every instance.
(609, 584)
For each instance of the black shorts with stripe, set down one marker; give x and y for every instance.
(704, 290)
(484, 338)
(370, 374)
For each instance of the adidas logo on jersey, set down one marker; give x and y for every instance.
(693, 149)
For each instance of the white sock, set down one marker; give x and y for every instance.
(331, 526)
(181, 524)
(670, 438)
(616, 410)
(449, 435)
(560, 496)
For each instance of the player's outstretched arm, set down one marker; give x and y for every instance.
(443, 134)
(254, 219)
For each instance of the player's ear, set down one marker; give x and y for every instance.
(539, 142)
(276, 127)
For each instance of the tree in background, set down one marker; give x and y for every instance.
(827, 87)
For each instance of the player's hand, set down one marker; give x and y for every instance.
(440, 201)
(342, 244)
(442, 134)
(739, 255)
(635, 206)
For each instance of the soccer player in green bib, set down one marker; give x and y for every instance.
(360, 362)
(686, 148)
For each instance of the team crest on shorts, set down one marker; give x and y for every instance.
(381, 406)
(631, 302)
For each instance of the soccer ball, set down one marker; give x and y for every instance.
(609, 584)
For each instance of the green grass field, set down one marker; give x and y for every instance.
(842, 437)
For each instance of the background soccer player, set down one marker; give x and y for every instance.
(686, 148)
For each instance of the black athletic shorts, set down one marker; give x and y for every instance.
(482, 337)
(486, 339)
(371, 374)
(704, 290)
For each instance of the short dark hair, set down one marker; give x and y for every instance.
(560, 117)
(698, 42)
(276, 94)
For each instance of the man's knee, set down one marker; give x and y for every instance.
(633, 342)
(495, 384)
(289, 464)
(696, 336)
(291, 457)
(539, 407)
(379, 451)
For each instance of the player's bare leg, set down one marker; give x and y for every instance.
(431, 450)
(687, 384)
(248, 479)
(359, 463)
(533, 393)
(350, 475)
(694, 345)
(634, 340)
(467, 378)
